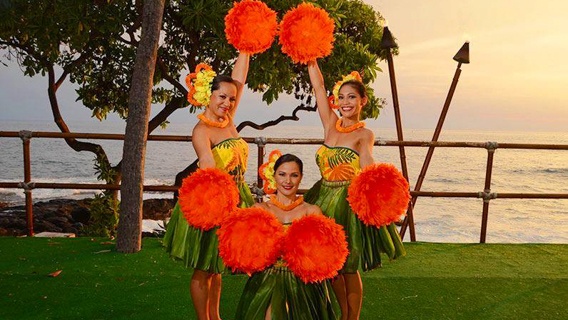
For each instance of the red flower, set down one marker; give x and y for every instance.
(315, 248)
(206, 196)
(250, 26)
(250, 240)
(379, 195)
(306, 33)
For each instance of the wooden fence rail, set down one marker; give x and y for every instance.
(261, 142)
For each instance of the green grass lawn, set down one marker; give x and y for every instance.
(434, 281)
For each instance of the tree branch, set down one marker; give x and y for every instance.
(166, 75)
(70, 66)
(58, 119)
(173, 105)
(271, 123)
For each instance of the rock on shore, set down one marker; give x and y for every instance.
(66, 215)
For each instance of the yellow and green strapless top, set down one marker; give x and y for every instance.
(337, 163)
(231, 155)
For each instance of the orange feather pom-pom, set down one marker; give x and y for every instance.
(250, 240)
(207, 196)
(379, 195)
(315, 248)
(250, 26)
(306, 33)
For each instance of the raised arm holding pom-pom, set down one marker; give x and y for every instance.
(225, 96)
(352, 98)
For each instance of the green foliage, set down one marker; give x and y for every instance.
(164, 124)
(104, 207)
(104, 170)
(95, 42)
(104, 216)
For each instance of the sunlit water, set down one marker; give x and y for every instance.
(436, 219)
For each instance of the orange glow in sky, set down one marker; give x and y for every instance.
(518, 75)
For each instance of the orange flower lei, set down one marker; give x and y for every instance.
(287, 207)
(266, 172)
(211, 123)
(334, 98)
(199, 84)
(351, 128)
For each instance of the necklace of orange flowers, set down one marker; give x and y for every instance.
(286, 207)
(351, 128)
(211, 123)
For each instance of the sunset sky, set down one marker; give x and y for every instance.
(517, 79)
(518, 75)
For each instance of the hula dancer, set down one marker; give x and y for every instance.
(217, 145)
(250, 26)
(346, 151)
(287, 246)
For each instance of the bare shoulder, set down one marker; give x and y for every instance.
(367, 134)
(199, 129)
(200, 140)
(261, 205)
(312, 209)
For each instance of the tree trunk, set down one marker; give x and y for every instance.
(129, 237)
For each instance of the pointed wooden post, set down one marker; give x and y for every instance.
(461, 57)
(387, 43)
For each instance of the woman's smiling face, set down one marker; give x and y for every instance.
(288, 178)
(223, 99)
(350, 101)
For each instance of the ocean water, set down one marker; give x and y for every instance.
(436, 219)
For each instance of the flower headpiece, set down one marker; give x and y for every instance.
(266, 172)
(334, 98)
(199, 84)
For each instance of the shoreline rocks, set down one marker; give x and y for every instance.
(67, 215)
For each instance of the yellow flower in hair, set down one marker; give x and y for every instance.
(334, 99)
(266, 172)
(199, 84)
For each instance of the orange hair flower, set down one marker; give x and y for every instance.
(334, 98)
(199, 84)
(266, 172)
(250, 26)
(206, 196)
(379, 195)
(250, 240)
(306, 33)
(315, 248)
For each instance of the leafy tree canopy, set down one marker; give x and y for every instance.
(94, 44)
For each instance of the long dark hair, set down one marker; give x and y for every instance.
(289, 158)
